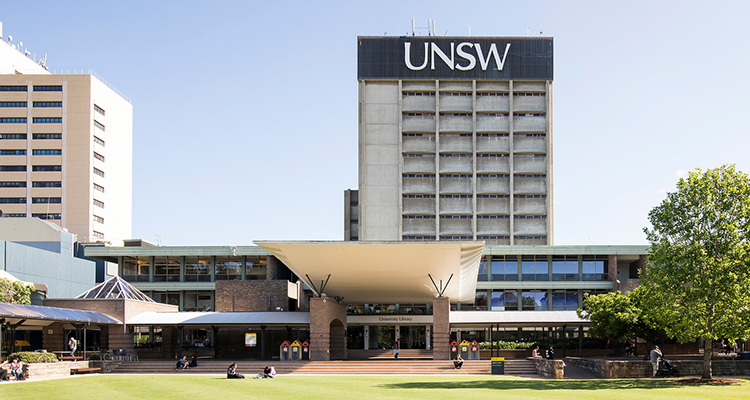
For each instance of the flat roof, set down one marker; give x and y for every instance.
(196, 318)
(43, 316)
(384, 272)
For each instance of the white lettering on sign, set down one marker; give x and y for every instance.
(433, 52)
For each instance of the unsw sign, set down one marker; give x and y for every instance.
(455, 58)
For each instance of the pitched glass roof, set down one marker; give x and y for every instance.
(115, 288)
(17, 312)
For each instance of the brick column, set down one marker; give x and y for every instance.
(441, 332)
(327, 326)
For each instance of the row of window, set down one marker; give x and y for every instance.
(22, 136)
(24, 104)
(34, 200)
(501, 114)
(482, 134)
(469, 216)
(33, 152)
(37, 88)
(39, 168)
(99, 125)
(531, 300)
(99, 109)
(22, 184)
(98, 203)
(468, 94)
(196, 268)
(481, 155)
(14, 120)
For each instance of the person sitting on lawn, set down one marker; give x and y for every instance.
(232, 372)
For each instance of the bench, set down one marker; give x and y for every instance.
(69, 358)
(75, 371)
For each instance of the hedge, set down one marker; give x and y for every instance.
(32, 357)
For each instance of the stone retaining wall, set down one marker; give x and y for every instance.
(550, 368)
(614, 369)
(59, 369)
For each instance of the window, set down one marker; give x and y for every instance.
(14, 215)
(47, 104)
(12, 184)
(564, 268)
(46, 152)
(47, 88)
(595, 268)
(198, 269)
(47, 216)
(98, 109)
(98, 235)
(13, 136)
(98, 141)
(228, 268)
(99, 188)
(534, 268)
(14, 89)
(46, 136)
(529, 217)
(99, 125)
(136, 269)
(255, 267)
(98, 203)
(12, 152)
(46, 200)
(480, 301)
(482, 271)
(504, 300)
(534, 300)
(504, 268)
(99, 172)
(12, 168)
(12, 120)
(47, 120)
(98, 219)
(167, 269)
(172, 298)
(12, 200)
(46, 184)
(13, 104)
(198, 301)
(46, 168)
(565, 299)
(99, 156)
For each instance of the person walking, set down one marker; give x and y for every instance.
(655, 355)
(73, 346)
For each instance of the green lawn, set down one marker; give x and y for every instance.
(202, 387)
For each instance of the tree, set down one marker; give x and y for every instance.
(696, 283)
(616, 316)
(15, 292)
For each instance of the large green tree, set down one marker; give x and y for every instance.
(15, 292)
(698, 278)
(617, 316)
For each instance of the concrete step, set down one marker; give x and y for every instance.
(347, 367)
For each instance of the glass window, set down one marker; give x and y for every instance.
(595, 268)
(135, 269)
(535, 268)
(480, 301)
(534, 300)
(504, 268)
(564, 268)
(228, 268)
(482, 271)
(172, 298)
(255, 268)
(565, 300)
(198, 269)
(504, 300)
(198, 301)
(166, 269)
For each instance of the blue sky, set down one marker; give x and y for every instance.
(245, 113)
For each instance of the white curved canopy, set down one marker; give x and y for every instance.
(384, 272)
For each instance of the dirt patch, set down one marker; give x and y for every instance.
(714, 381)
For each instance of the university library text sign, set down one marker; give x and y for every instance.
(410, 57)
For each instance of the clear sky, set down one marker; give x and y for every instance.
(245, 113)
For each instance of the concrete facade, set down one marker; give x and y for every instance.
(455, 160)
(66, 151)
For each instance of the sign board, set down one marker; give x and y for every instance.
(433, 57)
(251, 339)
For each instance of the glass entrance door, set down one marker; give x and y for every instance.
(413, 337)
(382, 337)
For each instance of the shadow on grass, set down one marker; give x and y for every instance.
(547, 384)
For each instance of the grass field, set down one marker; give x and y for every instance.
(203, 387)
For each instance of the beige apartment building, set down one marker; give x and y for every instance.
(65, 148)
(455, 140)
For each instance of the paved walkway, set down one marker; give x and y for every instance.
(573, 371)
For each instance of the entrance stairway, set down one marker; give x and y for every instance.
(344, 367)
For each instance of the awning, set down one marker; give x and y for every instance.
(292, 318)
(515, 318)
(43, 316)
(384, 272)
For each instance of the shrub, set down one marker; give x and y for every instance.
(31, 357)
(99, 356)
